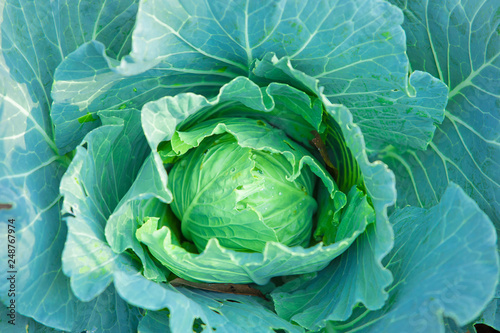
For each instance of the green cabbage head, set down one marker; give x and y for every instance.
(242, 196)
(248, 188)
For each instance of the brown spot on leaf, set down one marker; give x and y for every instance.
(5, 206)
(229, 288)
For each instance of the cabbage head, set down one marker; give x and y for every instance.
(235, 194)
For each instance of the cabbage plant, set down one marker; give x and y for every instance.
(249, 166)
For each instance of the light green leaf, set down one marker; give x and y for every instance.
(184, 110)
(219, 265)
(275, 203)
(218, 192)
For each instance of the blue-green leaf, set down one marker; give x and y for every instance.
(491, 314)
(458, 42)
(225, 313)
(237, 313)
(107, 313)
(155, 321)
(26, 323)
(145, 198)
(35, 38)
(436, 263)
(98, 177)
(185, 306)
(87, 82)
(355, 48)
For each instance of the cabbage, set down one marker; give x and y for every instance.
(249, 166)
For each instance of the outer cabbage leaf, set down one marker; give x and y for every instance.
(145, 198)
(188, 307)
(227, 313)
(458, 42)
(491, 314)
(34, 41)
(102, 173)
(98, 177)
(54, 30)
(238, 313)
(36, 36)
(87, 82)
(436, 263)
(106, 313)
(28, 323)
(155, 321)
(356, 49)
